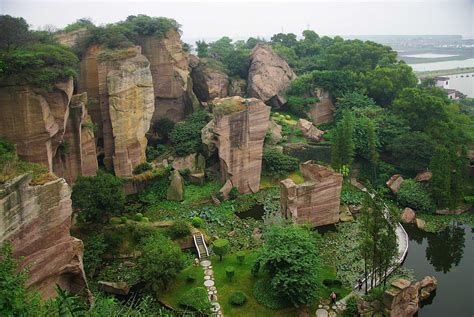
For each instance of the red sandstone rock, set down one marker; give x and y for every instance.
(309, 131)
(37, 219)
(408, 215)
(395, 182)
(209, 82)
(322, 111)
(316, 200)
(423, 176)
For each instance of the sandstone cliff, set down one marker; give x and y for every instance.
(316, 200)
(46, 130)
(209, 81)
(120, 86)
(172, 83)
(238, 130)
(322, 111)
(37, 219)
(269, 76)
(70, 39)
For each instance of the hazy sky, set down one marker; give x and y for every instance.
(212, 19)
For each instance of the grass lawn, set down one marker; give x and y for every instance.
(181, 285)
(244, 281)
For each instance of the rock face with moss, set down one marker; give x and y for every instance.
(174, 97)
(322, 111)
(131, 107)
(47, 129)
(269, 76)
(37, 219)
(316, 200)
(209, 81)
(238, 130)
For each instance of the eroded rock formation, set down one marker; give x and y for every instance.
(309, 131)
(316, 200)
(37, 219)
(174, 97)
(48, 129)
(269, 76)
(209, 81)
(322, 111)
(238, 131)
(70, 39)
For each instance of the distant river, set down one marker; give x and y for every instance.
(421, 67)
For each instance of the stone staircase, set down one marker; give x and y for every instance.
(200, 244)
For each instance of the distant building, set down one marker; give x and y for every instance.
(442, 82)
(453, 94)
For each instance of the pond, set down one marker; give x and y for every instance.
(449, 256)
(256, 212)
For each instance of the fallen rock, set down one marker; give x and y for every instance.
(408, 215)
(209, 80)
(187, 162)
(315, 201)
(275, 132)
(176, 188)
(424, 176)
(395, 182)
(322, 111)
(197, 178)
(238, 132)
(37, 220)
(309, 131)
(420, 223)
(345, 215)
(427, 285)
(117, 288)
(269, 76)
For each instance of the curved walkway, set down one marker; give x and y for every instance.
(402, 242)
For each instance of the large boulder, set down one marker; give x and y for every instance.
(37, 220)
(209, 80)
(176, 188)
(238, 132)
(48, 127)
(428, 285)
(174, 97)
(408, 215)
(274, 130)
(322, 111)
(127, 108)
(309, 131)
(395, 182)
(116, 288)
(315, 201)
(269, 76)
(420, 223)
(423, 176)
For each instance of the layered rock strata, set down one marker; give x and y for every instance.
(269, 76)
(238, 132)
(322, 111)
(37, 219)
(315, 201)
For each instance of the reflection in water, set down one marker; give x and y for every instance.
(446, 248)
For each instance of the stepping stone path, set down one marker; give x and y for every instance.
(322, 313)
(211, 288)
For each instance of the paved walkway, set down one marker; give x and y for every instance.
(211, 288)
(402, 242)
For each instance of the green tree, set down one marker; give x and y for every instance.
(343, 143)
(277, 163)
(14, 32)
(441, 167)
(289, 256)
(220, 247)
(98, 197)
(186, 136)
(413, 195)
(459, 178)
(350, 101)
(160, 262)
(372, 149)
(202, 49)
(412, 151)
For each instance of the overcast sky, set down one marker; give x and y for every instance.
(213, 19)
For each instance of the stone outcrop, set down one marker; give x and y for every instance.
(117, 288)
(402, 298)
(238, 132)
(209, 81)
(420, 223)
(316, 200)
(408, 215)
(322, 111)
(237, 87)
(48, 129)
(176, 188)
(309, 131)
(70, 39)
(395, 182)
(423, 176)
(37, 219)
(274, 130)
(174, 97)
(269, 76)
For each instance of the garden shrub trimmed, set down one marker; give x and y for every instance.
(138, 216)
(179, 229)
(238, 298)
(240, 257)
(230, 272)
(351, 307)
(197, 222)
(220, 247)
(196, 298)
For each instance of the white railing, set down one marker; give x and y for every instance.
(205, 246)
(197, 247)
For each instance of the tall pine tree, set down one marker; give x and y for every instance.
(373, 153)
(343, 143)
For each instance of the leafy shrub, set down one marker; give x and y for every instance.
(124, 219)
(233, 193)
(299, 105)
(186, 136)
(163, 127)
(469, 199)
(152, 152)
(178, 229)
(94, 248)
(197, 222)
(413, 195)
(241, 257)
(138, 216)
(277, 163)
(145, 219)
(351, 307)
(375, 293)
(142, 167)
(230, 272)
(238, 298)
(195, 298)
(265, 295)
(220, 247)
(255, 268)
(351, 195)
